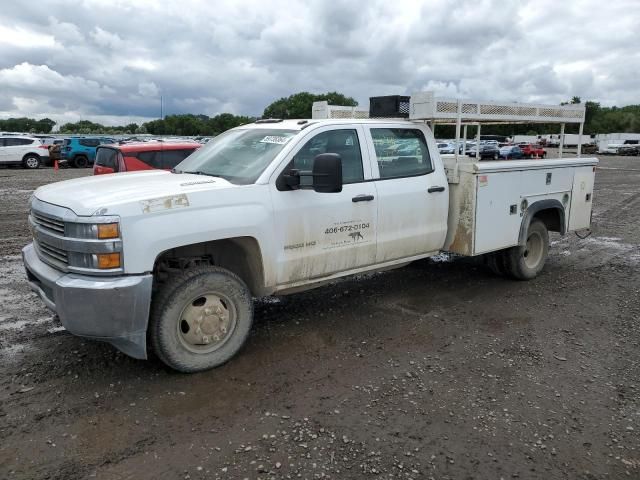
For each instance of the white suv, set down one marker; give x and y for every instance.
(26, 151)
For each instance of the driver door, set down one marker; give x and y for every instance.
(322, 234)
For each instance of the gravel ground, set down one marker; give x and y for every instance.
(436, 370)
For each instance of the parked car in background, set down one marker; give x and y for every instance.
(627, 150)
(80, 152)
(486, 151)
(450, 147)
(444, 147)
(22, 150)
(529, 151)
(614, 148)
(511, 151)
(129, 157)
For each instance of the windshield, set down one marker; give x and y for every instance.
(239, 156)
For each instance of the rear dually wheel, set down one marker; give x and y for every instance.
(525, 262)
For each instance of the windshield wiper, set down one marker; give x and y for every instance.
(197, 172)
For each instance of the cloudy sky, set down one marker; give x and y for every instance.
(111, 60)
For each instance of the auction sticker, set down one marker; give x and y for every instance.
(277, 139)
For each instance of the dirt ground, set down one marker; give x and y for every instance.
(436, 370)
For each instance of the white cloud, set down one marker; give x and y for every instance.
(25, 38)
(148, 89)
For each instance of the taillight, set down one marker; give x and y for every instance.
(46, 147)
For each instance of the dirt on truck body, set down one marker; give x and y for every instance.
(439, 369)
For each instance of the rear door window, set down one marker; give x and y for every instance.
(15, 142)
(89, 142)
(152, 158)
(401, 152)
(171, 158)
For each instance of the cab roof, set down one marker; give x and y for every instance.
(301, 124)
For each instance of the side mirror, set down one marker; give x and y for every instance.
(327, 173)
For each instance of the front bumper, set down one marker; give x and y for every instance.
(111, 309)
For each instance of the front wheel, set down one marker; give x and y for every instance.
(31, 162)
(200, 319)
(526, 262)
(495, 156)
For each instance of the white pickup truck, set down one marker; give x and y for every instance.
(174, 259)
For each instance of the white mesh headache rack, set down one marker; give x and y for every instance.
(321, 110)
(425, 106)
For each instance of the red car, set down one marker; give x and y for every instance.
(531, 151)
(130, 157)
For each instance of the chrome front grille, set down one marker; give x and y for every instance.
(48, 230)
(50, 253)
(48, 222)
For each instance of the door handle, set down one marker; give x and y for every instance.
(362, 198)
(435, 189)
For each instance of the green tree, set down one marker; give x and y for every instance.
(299, 104)
(27, 125)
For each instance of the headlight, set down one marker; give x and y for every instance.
(95, 261)
(92, 231)
(93, 246)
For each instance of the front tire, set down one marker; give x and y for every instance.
(200, 319)
(31, 162)
(526, 262)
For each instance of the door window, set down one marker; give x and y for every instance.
(15, 142)
(152, 158)
(171, 158)
(401, 152)
(343, 142)
(89, 142)
(107, 157)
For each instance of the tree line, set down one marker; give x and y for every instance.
(598, 119)
(25, 124)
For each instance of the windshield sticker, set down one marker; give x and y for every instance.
(164, 203)
(276, 139)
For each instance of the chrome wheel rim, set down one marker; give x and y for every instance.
(32, 162)
(533, 250)
(206, 323)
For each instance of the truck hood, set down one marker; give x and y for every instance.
(86, 196)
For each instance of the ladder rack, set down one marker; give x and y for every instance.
(426, 107)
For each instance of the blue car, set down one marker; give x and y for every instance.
(80, 152)
(510, 152)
